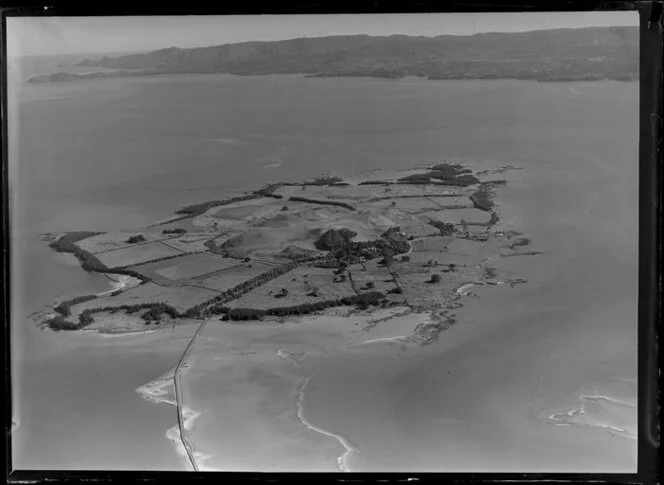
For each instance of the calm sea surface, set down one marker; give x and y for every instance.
(118, 153)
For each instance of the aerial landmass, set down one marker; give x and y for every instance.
(337, 263)
(416, 238)
(586, 54)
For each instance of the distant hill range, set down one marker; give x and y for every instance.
(545, 55)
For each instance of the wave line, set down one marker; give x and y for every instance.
(342, 461)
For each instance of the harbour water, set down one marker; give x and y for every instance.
(503, 390)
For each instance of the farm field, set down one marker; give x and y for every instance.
(419, 258)
(110, 241)
(196, 265)
(401, 190)
(191, 243)
(245, 210)
(227, 279)
(137, 254)
(377, 275)
(421, 294)
(453, 201)
(454, 216)
(179, 297)
(186, 267)
(298, 283)
(435, 243)
(414, 205)
(347, 193)
(408, 223)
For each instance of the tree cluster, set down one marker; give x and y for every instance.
(435, 278)
(481, 198)
(342, 250)
(445, 228)
(334, 238)
(136, 239)
(449, 174)
(60, 323)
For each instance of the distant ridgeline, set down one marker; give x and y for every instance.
(545, 55)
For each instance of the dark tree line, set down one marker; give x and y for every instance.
(322, 202)
(175, 230)
(362, 301)
(211, 306)
(89, 262)
(117, 269)
(198, 209)
(324, 181)
(64, 308)
(268, 191)
(376, 182)
(154, 313)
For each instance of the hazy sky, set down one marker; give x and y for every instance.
(71, 35)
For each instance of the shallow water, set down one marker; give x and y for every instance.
(483, 397)
(120, 153)
(77, 405)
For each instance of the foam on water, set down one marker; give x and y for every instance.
(162, 390)
(600, 412)
(273, 165)
(229, 141)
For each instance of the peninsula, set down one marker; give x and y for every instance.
(416, 238)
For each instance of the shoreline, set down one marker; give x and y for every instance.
(117, 74)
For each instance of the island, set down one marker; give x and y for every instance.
(418, 239)
(585, 54)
